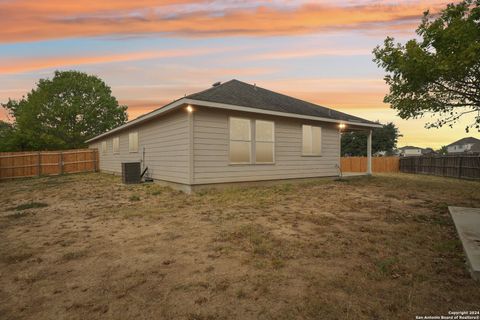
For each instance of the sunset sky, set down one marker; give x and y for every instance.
(151, 52)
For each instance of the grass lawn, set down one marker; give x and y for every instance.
(87, 247)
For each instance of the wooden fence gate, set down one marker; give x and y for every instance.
(31, 164)
(379, 164)
(456, 166)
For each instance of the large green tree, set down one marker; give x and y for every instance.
(383, 139)
(63, 112)
(6, 133)
(437, 74)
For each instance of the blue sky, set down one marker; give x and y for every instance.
(151, 52)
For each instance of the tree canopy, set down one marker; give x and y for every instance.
(439, 73)
(383, 139)
(6, 131)
(443, 150)
(63, 112)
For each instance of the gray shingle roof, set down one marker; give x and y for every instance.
(239, 93)
(475, 147)
(463, 141)
(409, 147)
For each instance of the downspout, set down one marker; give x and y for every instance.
(190, 112)
(369, 153)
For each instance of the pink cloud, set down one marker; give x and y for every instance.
(24, 65)
(29, 20)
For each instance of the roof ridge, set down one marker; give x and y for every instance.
(211, 88)
(326, 109)
(464, 139)
(175, 100)
(237, 93)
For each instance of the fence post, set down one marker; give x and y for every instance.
(94, 160)
(460, 162)
(39, 164)
(443, 165)
(85, 163)
(61, 162)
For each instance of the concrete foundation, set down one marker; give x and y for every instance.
(467, 222)
(221, 186)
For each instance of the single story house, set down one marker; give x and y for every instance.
(412, 151)
(463, 145)
(231, 133)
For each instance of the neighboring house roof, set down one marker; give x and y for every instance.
(409, 147)
(240, 96)
(424, 151)
(464, 141)
(475, 148)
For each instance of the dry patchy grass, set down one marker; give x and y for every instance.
(86, 246)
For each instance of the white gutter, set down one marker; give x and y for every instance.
(276, 113)
(183, 101)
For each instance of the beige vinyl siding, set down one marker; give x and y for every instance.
(211, 150)
(166, 143)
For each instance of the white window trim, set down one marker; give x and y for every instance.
(118, 145)
(129, 142)
(321, 142)
(252, 143)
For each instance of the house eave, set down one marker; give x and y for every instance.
(277, 113)
(185, 101)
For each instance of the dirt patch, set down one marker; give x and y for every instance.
(379, 247)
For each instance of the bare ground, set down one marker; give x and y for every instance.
(88, 247)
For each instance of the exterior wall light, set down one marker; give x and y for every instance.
(189, 108)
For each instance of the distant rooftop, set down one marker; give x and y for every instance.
(464, 141)
(410, 147)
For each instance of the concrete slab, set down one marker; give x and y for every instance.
(354, 174)
(467, 222)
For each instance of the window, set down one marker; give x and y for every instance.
(104, 147)
(133, 142)
(116, 144)
(264, 141)
(311, 141)
(242, 146)
(240, 140)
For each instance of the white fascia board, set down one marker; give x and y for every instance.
(276, 113)
(184, 101)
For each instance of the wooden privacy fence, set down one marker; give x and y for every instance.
(379, 164)
(456, 166)
(32, 163)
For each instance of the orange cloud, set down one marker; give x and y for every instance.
(303, 53)
(342, 100)
(25, 65)
(332, 91)
(137, 108)
(29, 20)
